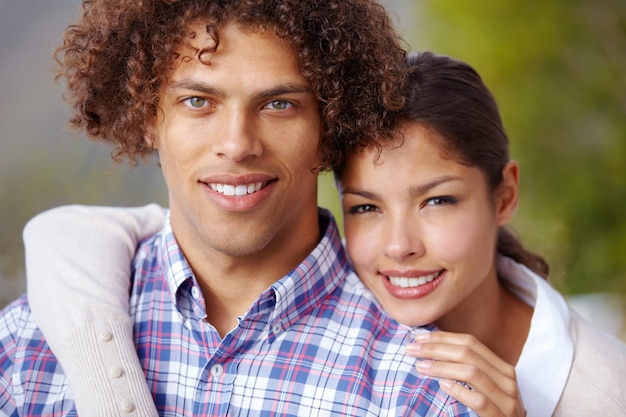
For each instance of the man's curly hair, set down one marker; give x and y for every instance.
(117, 57)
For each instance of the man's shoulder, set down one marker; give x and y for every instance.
(352, 311)
(16, 322)
(148, 255)
(354, 293)
(31, 379)
(21, 340)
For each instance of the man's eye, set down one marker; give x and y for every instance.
(279, 105)
(196, 102)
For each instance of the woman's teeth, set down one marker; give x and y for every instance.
(405, 282)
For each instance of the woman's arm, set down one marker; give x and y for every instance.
(78, 262)
(491, 388)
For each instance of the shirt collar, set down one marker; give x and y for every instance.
(544, 365)
(321, 273)
(184, 290)
(291, 296)
(177, 269)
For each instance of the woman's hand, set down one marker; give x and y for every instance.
(491, 385)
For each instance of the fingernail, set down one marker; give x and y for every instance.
(424, 364)
(422, 336)
(445, 383)
(413, 348)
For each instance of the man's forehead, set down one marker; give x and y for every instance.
(250, 63)
(200, 36)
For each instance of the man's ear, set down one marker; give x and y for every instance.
(150, 138)
(507, 194)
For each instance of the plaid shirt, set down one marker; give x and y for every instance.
(313, 344)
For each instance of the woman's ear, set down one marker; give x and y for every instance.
(506, 198)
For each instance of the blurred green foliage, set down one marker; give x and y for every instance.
(558, 71)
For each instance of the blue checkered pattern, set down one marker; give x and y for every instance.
(313, 344)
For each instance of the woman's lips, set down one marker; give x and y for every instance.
(409, 285)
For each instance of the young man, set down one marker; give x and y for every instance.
(244, 303)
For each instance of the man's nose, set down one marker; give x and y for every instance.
(237, 136)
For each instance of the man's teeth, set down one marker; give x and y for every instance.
(405, 282)
(237, 190)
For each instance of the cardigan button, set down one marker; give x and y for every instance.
(128, 407)
(116, 372)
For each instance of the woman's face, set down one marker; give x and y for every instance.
(421, 228)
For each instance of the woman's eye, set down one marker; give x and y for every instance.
(440, 201)
(279, 105)
(363, 208)
(196, 102)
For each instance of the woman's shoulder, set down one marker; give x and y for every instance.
(593, 345)
(596, 384)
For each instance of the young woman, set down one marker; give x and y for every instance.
(424, 222)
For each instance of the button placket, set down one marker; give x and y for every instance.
(217, 370)
(195, 292)
(115, 372)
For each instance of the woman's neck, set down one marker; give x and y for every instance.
(496, 317)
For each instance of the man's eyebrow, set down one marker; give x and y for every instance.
(288, 88)
(200, 87)
(210, 89)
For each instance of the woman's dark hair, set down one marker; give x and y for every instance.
(449, 99)
(117, 56)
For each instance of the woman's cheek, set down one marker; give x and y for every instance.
(361, 244)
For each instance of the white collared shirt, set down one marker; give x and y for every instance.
(544, 365)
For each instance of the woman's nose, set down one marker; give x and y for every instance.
(403, 241)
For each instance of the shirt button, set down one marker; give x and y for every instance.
(195, 292)
(116, 372)
(217, 370)
(128, 407)
(277, 328)
(106, 336)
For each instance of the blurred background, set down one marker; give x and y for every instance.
(557, 69)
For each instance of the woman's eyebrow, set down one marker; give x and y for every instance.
(361, 193)
(422, 189)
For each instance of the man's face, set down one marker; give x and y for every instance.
(237, 140)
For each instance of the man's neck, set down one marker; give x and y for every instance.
(226, 300)
(231, 284)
